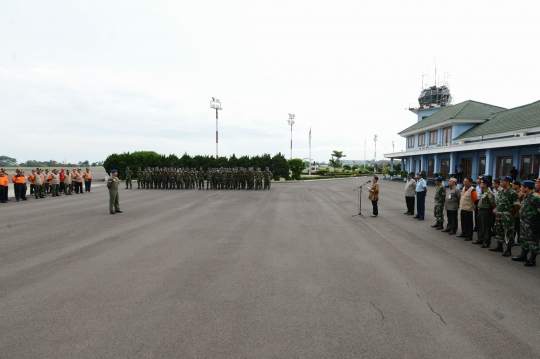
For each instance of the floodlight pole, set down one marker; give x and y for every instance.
(375, 155)
(216, 104)
(291, 123)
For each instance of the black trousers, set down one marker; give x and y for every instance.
(20, 191)
(421, 204)
(3, 194)
(87, 185)
(62, 187)
(467, 223)
(78, 187)
(31, 188)
(452, 221)
(375, 208)
(410, 204)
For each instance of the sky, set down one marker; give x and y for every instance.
(80, 80)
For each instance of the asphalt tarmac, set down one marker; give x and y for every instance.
(286, 273)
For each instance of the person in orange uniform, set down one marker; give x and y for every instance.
(77, 181)
(19, 181)
(31, 180)
(87, 180)
(3, 186)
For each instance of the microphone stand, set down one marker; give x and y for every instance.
(360, 200)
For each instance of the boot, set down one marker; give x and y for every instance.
(499, 248)
(435, 225)
(531, 262)
(522, 257)
(508, 251)
(440, 226)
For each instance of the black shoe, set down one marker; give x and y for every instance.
(508, 251)
(416, 217)
(435, 225)
(118, 211)
(113, 213)
(531, 262)
(445, 230)
(485, 246)
(406, 213)
(499, 248)
(468, 239)
(420, 219)
(522, 257)
(410, 214)
(460, 236)
(477, 242)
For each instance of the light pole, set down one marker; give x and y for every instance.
(375, 155)
(291, 123)
(215, 103)
(393, 146)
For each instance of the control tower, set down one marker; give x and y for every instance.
(431, 100)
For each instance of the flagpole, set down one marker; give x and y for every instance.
(309, 170)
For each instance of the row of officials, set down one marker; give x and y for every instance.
(43, 182)
(507, 209)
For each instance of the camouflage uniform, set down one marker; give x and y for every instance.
(504, 224)
(438, 212)
(258, 179)
(129, 173)
(139, 177)
(201, 178)
(267, 178)
(530, 208)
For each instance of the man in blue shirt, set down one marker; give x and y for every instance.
(421, 190)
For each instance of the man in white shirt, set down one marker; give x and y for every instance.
(421, 190)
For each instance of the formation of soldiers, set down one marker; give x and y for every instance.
(506, 208)
(237, 178)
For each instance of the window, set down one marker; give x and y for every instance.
(421, 139)
(445, 167)
(410, 141)
(430, 167)
(504, 164)
(526, 165)
(433, 137)
(447, 136)
(481, 166)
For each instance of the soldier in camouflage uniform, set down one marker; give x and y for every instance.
(208, 176)
(507, 206)
(172, 178)
(438, 212)
(267, 178)
(148, 178)
(129, 173)
(530, 209)
(139, 177)
(200, 177)
(258, 179)
(486, 204)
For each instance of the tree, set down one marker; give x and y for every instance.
(347, 167)
(7, 161)
(335, 162)
(279, 167)
(296, 165)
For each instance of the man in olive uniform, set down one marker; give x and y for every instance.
(507, 207)
(267, 178)
(208, 178)
(200, 177)
(258, 179)
(148, 178)
(438, 211)
(128, 178)
(528, 237)
(114, 199)
(139, 178)
(486, 204)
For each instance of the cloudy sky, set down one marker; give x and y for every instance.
(80, 80)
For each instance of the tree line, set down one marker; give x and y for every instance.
(6, 161)
(277, 163)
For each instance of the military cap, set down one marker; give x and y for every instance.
(528, 184)
(113, 171)
(517, 182)
(506, 178)
(438, 179)
(410, 174)
(486, 181)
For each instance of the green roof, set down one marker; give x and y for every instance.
(468, 110)
(514, 119)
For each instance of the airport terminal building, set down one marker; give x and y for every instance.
(483, 139)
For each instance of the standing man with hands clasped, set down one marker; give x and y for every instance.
(374, 196)
(114, 200)
(410, 193)
(421, 191)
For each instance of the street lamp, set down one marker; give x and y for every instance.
(375, 155)
(216, 104)
(291, 123)
(393, 146)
